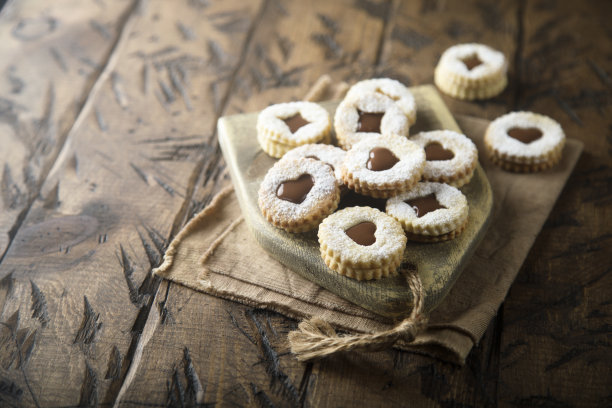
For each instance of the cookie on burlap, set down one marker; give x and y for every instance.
(471, 71)
(362, 243)
(430, 212)
(383, 166)
(390, 88)
(524, 142)
(368, 114)
(296, 195)
(451, 157)
(284, 126)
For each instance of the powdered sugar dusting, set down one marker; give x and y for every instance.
(465, 151)
(493, 62)
(271, 122)
(391, 88)
(411, 159)
(326, 153)
(324, 189)
(552, 135)
(390, 237)
(442, 220)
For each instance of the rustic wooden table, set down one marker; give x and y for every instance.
(107, 132)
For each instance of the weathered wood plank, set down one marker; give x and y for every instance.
(51, 55)
(239, 355)
(77, 289)
(293, 44)
(301, 41)
(555, 348)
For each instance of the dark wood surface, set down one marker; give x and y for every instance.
(107, 132)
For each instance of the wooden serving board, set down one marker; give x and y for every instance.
(439, 264)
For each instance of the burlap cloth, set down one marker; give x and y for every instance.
(215, 254)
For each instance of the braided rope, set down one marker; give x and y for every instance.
(315, 338)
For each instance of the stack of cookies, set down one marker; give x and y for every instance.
(418, 175)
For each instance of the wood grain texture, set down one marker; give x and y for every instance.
(49, 63)
(556, 321)
(104, 202)
(87, 246)
(418, 33)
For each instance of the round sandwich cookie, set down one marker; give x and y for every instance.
(366, 115)
(284, 126)
(390, 88)
(471, 71)
(383, 166)
(451, 157)
(296, 195)
(524, 142)
(430, 212)
(362, 243)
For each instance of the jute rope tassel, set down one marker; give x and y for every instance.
(315, 338)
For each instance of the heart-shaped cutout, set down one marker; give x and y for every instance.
(369, 121)
(295, 122)
(424, 205)
(296, 190)
(381, 158)
(525, 135)
(362, 233)
(435, 152)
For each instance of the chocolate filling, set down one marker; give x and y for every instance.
(471, 61)
(295, 191)
(525, 135)
(435, 151)
(362, 233)
(316, 158)
(369, 121)
(381, 159)
(295, 122)
(424, 205)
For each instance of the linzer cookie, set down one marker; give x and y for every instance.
(383, 166)
(362, 243)
(430, 212)
(296, 195)
(390, 88)
(450, 156)
(471, 71)
(524, 142)
(368, 114)
(331, 155)
(284, 126)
